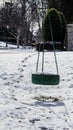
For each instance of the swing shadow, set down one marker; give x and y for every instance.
(49, 103)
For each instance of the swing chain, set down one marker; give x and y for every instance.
(53, 43)
(42, 58)
(43, 50)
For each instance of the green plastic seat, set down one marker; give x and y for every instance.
(45, 79)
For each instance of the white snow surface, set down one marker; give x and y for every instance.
(19, 107)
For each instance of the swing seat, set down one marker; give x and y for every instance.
(45, 79)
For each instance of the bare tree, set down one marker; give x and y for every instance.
(22, 16)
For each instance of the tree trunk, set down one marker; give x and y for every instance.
(18, 37)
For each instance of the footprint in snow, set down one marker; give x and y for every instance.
(24, 59)
(44, 128)
(29, 56)
(20, 69)
(21, 76)
(34, 120)
(24, 65)
(71, 86)
(4, 78)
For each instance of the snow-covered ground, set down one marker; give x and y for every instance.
(25, 106)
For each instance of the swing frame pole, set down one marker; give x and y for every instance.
(38, 59)
(43, 59)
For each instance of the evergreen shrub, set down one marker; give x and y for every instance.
(63, 22)
(54, 22)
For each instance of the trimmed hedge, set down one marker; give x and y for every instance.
(58, 26)
(63, 22)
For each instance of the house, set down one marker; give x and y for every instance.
(70, 37)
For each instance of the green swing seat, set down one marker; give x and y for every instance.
(45, 79)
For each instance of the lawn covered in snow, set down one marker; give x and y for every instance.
(25, 106)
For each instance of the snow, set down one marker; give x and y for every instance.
(25, 106)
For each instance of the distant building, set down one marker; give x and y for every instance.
(70, 37)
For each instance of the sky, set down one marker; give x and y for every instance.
(1, 1)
